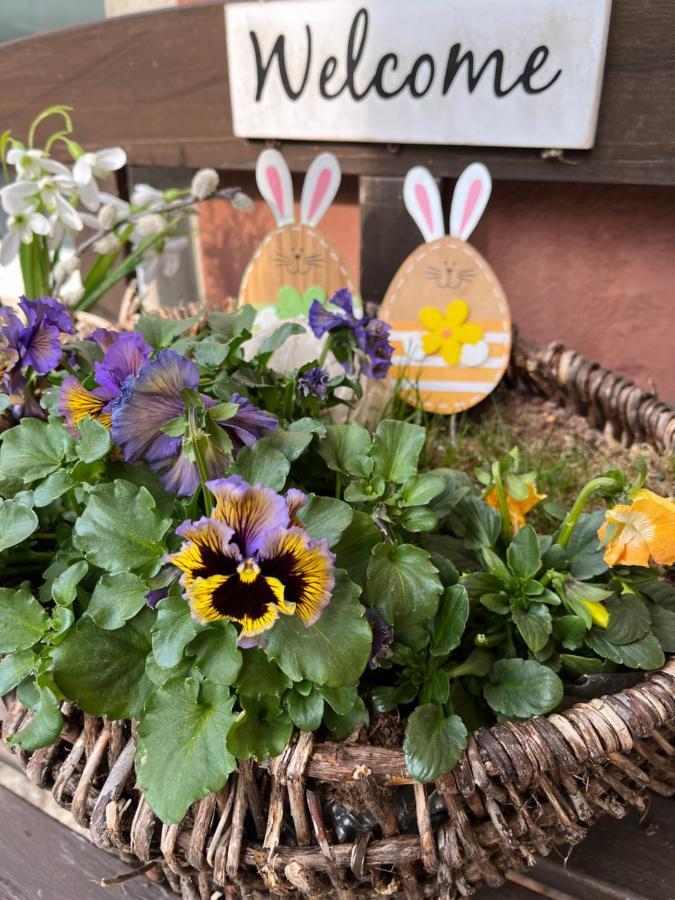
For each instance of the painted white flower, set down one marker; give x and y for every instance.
(91, 166)
(21, 228)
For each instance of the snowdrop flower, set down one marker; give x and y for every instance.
(28, 163)
(91, 166)
(21, 228)
(163, 258)
(144, 196)
(18, 197)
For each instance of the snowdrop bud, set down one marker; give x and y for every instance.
(204, 183)
(151, 224)
(72, 295)
(109, 243)
(65, 268)
(242, 202)
(107, 216)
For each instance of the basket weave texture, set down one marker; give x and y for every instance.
(518, 790)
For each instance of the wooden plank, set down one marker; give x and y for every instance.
(157, 84)
(41, 858)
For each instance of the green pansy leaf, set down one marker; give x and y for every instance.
(342, 725)
(386, 697)
(61, 621)
(433, 742)
(570, 631)
(159, 676)
(121, 529)
(325, 517)
(346, 449)
(534, 625)
(448, 625)
(293, 443)
(45, 725)
(629, 619)
(216, 654)
(279, 337)
(262, 730)
(523, 553)
(116, 599)
(17, 522)
(23, 621)
(583, 549)
(182, 753)
(522, 688)
(104, 671)
(263, 464)
(173, 630)
(421, 489)
(334, 651)
(403, 584)
(94, 443)
(14, 668)
(663, 626)
(160, 332)
(34, 449)
(441, 548)
(260, 675)
(306, 712)
(417, 519)
(53, 487)
(643, 654)
(64, 586)
(340, 699)
(353, 550)
(660, 592)
(585, 665)
(396, 450)
(478, 524)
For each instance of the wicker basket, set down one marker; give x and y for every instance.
(518, 790)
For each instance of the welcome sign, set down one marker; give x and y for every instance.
(504, 73)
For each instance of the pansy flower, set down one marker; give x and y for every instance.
(366, 338)
(518, 509)
(35, 342)
(249, 561)
(125, 356)
(147, 404)
(642, 530)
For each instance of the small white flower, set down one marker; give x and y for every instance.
(28, 163)
(164, 258)
(21, 228)
(151, 224)
(204, 183)
(144, 196)
(91, 166)
(18, 197)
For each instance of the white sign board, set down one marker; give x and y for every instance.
(501, 73)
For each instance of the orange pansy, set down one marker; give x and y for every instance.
(641, 530)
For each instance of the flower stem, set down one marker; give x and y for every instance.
(570, 521)
(324, 351)
(196, 439)
(507, 531)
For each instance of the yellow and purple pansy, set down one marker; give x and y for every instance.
(252, 559)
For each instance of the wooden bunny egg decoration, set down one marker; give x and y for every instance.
(451, 327)
(295, 264)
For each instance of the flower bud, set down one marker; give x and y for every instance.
(72, 295)
(109, 243)
(152, 224)
(65, 268)
(204, 183)
(242, 202)
(107, 216)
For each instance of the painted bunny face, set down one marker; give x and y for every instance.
(295, 264)
(451, 327)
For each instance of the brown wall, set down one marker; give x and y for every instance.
(590, 265)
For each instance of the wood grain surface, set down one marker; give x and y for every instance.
(157, 84)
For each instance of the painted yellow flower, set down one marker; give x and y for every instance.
(642, 530)
(517, 508)
(447, 333)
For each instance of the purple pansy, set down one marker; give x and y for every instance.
(146, 404)
(383, 638)
(313, 383)
(35, 342)
(368, 336)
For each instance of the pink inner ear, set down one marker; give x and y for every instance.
(471, 200)
(275, 185)
(423, 202)
(322, 183)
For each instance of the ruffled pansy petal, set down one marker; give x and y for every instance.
(126, 356)
(76, 403)
(641, 530)
(253, 604)
(207, 550)
(250, 510)
(295, 500)
(304, 567)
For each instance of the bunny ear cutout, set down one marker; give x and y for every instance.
(275, 184)
(423, 201)
(469, 200)
(320, 187)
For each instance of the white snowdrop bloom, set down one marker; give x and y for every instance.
(18, 197)
(21, 228)
(145, 196)
(28, 163)
(91, 166)
(121, 207)
(164, 259)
